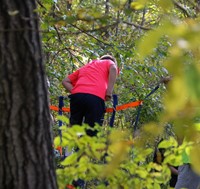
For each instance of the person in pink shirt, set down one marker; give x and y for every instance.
(90, 86)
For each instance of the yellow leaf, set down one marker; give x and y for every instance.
(63, 118)
(166, 4)
(118, 4)
(176, 98)
(195, 160)
(119, 152)
(197, 126)
(137, 5)
(117, 135)
(71, 159)
(141, 173)
(192, 74)
(81, 13)
(60, 23)
(57, 141)
(149, 42)
(168, 143)
(152, 129)
(156, 186)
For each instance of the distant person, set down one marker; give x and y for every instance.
(159, 158)
(187, 178)
(90, 86)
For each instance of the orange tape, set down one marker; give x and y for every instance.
(59, 148)
(124, 106)
(69, 186)
(66, 109)
(55, 108)
(129, 105)
(109, 110)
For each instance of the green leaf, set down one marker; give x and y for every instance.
(156, 186)
(168, 143)
(57, 141)
(70, 160)
(138, 4)
(63, 118)
(141, 173)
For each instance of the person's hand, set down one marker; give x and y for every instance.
(166, 80)
(108, 97)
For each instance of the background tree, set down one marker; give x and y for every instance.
(25, 138)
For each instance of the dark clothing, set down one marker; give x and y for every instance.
(86, 108)
(158, 158)
(173, 179)
(187, 178)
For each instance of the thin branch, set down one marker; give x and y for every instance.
(136, 25)
(143, 17)
(182, 8)
(70, 52)
(99, 29)
(58, 34)
(197, 5)
(91, 36)
(41, 5)
(72, 55)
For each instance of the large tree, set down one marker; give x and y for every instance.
(26, 158)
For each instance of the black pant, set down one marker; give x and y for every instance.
(86, 108)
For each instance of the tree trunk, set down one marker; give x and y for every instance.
(26, 156)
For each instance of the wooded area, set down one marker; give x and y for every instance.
(44, 40)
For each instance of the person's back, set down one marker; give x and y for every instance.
(92, 78)
(90, 86)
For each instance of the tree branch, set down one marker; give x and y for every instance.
(137, 26)
(182, 8)
(91, 36)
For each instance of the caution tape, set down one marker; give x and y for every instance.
(109, 110)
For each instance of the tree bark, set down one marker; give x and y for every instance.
(26, 155)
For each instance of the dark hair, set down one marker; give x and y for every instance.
(109, 57)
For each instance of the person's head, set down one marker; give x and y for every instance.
(108, 57)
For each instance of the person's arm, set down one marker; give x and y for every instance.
(70, 81)
(173, 170)
(111, 81)
(166, 79)
(67, 84)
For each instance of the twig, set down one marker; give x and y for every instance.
(136, 25)
(91, 35)
(181, 7)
